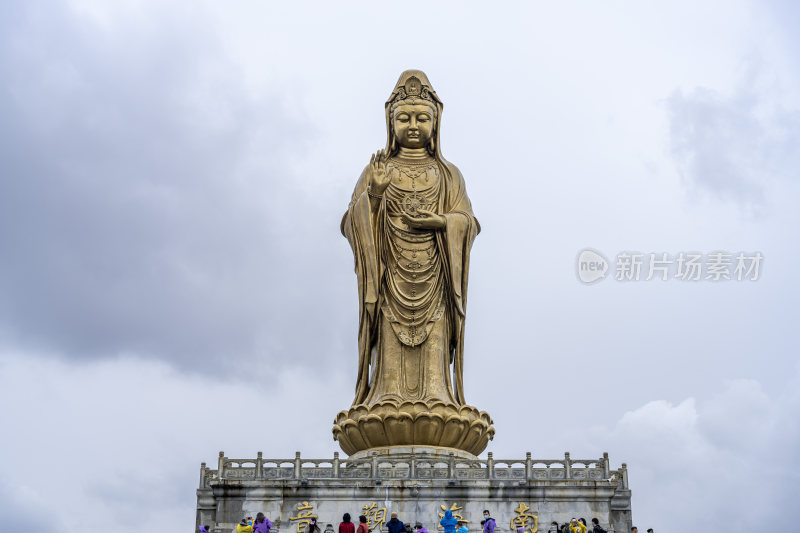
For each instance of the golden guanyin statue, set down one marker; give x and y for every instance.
(411, 226)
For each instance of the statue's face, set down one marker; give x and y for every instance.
(413, 125)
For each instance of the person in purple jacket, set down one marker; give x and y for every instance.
(262, 524)
(488, 522)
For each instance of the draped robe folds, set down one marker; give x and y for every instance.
(368, 234)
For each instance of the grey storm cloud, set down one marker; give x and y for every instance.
(729, 146)
(142, 200)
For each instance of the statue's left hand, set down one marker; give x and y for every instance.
(428, 220)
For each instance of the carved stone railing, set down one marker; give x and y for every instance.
(421, 467)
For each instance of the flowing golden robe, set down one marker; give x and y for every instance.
(412, 285)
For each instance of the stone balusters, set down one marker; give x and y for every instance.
(203, 476)
(528, 466)
(624, 470)
(567, 466)
(450, 467)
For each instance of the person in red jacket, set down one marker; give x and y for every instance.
(346, 526)
(362, 524)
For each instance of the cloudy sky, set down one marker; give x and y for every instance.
(172, 277)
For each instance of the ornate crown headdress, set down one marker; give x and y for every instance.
(411, 92)
(413, 89)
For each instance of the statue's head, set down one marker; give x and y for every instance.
(412, 124)
(413, 114)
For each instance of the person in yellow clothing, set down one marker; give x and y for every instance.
(244, 527)
(574, 526)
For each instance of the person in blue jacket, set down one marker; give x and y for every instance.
(394, 525)
(448, 522)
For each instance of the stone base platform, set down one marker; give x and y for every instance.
(417, 483)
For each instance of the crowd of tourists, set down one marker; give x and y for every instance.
(450, 523)
(578, 525)
(260, 524)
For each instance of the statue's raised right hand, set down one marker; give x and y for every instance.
(379, 179)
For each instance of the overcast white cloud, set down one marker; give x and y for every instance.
(731, 146)
(171, 180)
(714, 458)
